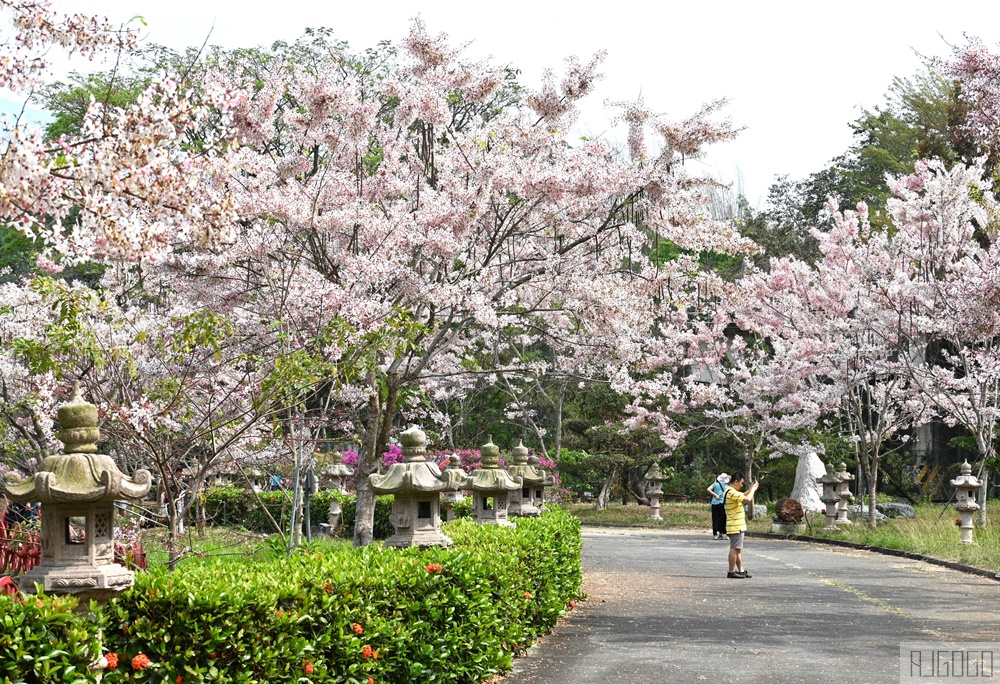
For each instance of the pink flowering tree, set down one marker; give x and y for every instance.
(358, 231)
(394, 224)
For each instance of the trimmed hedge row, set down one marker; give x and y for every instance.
(349, 615)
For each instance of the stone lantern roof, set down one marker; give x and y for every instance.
(536, 463)
(415, 473)
(655, 478)
(337, 468)
(966, 480)
(489, 477)
(520, 467)
(79, 475)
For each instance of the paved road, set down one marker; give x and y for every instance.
(661, 609)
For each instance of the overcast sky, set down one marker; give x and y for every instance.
(796, 73)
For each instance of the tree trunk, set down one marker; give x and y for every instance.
(981, 496)
(364, 517)
(377, 437)
(872, 486)
(604, 496)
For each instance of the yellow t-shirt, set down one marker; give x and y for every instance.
(735, 515)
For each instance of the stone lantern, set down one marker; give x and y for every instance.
(522, 502)
(966, 485)
(844, 492)
(453, 496)
(77, 490)
(257, 480)
(654, 491)
(333, 477)
(830, 497)
(539, 489)
(416, 485)
(491, 488)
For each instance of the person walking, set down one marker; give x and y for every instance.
(736, 523)
(718, 490)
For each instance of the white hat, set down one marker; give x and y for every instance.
(724, 479)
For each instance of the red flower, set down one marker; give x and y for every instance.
(433, 567)
(527, 594)
(572, 605)
(307, 667)
(358, 629)
(179, 680)
(213, 656)
(371, 680)
(140, 662)
(367, 651)
(112, 659)
(958, 521)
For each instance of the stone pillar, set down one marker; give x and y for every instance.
(966, 486)
(844, 492)
(830, 497)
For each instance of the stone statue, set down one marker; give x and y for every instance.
(807, 489)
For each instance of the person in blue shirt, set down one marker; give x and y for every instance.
(717, 490)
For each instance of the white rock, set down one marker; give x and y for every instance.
(807, 490)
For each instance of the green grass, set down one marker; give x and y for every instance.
(221, 545)
(930, 533)
(673, 514)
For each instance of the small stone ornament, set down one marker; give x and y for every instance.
(654, 491)
(77, 490)
(333, 477)
(844, 492)
(966, 486)
(830, 497)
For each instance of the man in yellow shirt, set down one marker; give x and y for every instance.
(736, 523)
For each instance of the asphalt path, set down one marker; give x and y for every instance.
(661, 609)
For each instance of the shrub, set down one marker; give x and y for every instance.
(441, 615)
(43, 640)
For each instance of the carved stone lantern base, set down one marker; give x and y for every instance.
(84, 582)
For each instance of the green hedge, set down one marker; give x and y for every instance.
(435, 615)
(43, 640)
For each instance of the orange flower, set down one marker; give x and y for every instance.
(307, 667)
(433, 567)
(367, 651)
(375, 654)
(371, 680)
(358, 629)
(527, 594)
(112, 659)
(140, 662)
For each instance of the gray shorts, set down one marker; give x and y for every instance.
(736, 540)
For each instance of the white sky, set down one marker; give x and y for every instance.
(796, 73)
